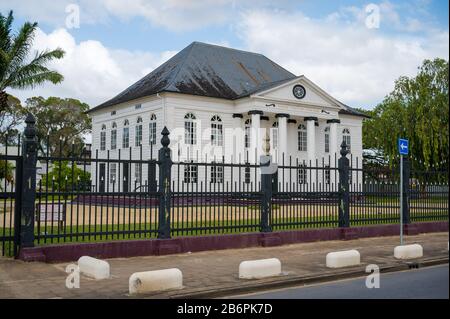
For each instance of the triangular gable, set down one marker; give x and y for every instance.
(314, 94)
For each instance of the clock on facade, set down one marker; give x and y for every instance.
(299, 91)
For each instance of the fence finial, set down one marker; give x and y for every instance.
(344, 149)
(165, 141)
(30, 129)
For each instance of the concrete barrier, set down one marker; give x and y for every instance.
(94, 268)
(261, 268)
(156, 280)
(408, 251)
(344, 258)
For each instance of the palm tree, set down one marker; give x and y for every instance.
(15, 71)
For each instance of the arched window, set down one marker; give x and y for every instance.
(103, 138)
(216, 131)
(114, 136)
(152, 130)
(247, 131)
(138, 132)
(327, 139)
(346, 138)
(302, 138)
(190, 129)
(274, 137)
(126, 134)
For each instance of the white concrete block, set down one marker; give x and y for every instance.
(156, 280)
(344, 258)
(408, 251)
(261, 268)
(93, 267)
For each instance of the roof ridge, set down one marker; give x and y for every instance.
(228, 48)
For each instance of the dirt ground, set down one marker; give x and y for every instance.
(77, 214)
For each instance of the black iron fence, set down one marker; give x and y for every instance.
(51, 198)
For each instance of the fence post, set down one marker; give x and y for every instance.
(266, 187)
(344, 192)
(151, 176)
(405, 190)
(29, 158)
(165, 169)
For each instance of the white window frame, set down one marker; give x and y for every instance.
(302, 174)
(126, 134)
(216, 131)
(327, 139)
(112, 172)
(103, 138)
(346, 136)
(138, 173)
(274, 137)
(152, 130)
(190, 173)
(247, 175)
(138, 132)
(114, 136)
(247, 133)
(190, 129)
(302, 138)
(327, 175)
(216, 173)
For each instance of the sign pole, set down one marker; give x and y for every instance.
(401, 199)
(403, 149)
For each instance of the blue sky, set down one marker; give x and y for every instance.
(117, 42)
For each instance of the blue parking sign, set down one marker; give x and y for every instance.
(403, 146)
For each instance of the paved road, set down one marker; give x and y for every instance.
(431, 282)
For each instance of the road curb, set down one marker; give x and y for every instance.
(214, 292)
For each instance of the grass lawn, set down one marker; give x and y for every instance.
(99, 233)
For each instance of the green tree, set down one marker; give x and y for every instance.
(60, 124)
(417, 109)
(10, 119)
(6, 172)
(17, 71)
(65, 177)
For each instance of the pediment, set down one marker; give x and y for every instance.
(314, 95)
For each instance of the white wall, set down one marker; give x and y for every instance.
(170, 109)
(127, 111)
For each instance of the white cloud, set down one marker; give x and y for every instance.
(93, 73)
(54, 12)
(175, 15)
(354, 64)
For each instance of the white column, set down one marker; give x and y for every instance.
(334, 147)
(311, 148)
(282, 138)
(237, 144)
(311, 138)
(334, 151)
(255, 139)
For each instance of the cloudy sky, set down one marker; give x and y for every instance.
(340, 45)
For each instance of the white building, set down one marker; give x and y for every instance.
(218, 103)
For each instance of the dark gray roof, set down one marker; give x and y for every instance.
(207, 70)
(351, 111)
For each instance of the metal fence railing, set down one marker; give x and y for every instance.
(134, 194)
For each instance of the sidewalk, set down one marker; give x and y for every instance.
(215, 273)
